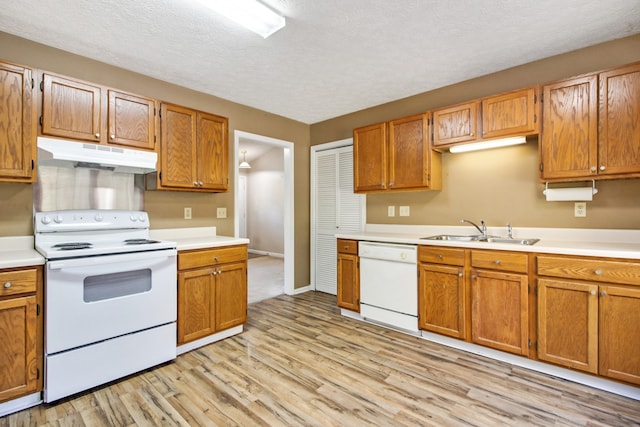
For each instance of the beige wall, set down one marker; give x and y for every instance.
(500, 185)
(166, 207)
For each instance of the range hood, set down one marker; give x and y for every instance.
(63, 153)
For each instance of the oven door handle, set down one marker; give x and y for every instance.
(111, 259)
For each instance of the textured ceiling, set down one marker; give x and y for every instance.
(333, 57)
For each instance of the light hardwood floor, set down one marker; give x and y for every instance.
(300, 363)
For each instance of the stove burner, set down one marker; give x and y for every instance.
(72, 245)
(140, 241)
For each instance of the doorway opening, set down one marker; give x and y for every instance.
(242, 196)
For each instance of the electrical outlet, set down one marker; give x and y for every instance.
(404, 211)
(391, 211)
(187, 213)
(580, 209)
(222, 212)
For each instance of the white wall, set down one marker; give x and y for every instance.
(265, 202)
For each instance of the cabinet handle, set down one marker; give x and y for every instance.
(214, 272)
(598, 272)
(215, 258)
(7, 285)
(593, 292)
(97, 135)
(200, 183)
(603, 294)
(459, 274)
(497, 262)
(470, 133)
(602, 167)
(593, 168)
(113, 136)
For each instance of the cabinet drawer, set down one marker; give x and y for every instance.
(18, 282)
(206, 257)
(627, 273)
(348, 246)
(498, 260)
(439, 255)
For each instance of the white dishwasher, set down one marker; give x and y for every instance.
(389, 284)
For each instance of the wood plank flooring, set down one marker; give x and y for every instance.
(299, 363)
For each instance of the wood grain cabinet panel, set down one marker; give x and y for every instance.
(212, 152)
(231, 295)
(514, 113)
(370, 154)
(131, 120)
(455, 124)
(17, 124)
(348, 275)
(20, 332)
(441, 301)
(196, 305)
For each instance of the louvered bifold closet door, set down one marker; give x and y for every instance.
(338, 209)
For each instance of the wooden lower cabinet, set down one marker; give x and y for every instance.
(20, 332)
(441, 291)
(348, 275)
(212, 291)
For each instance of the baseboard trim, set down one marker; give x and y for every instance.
(267, 253)
(302, 290)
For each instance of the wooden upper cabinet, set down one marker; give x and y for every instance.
(71, 109)
(570, 128)
(17, 124)
(513, 113)
(194, 150)
(396, 155)
(455, 124)
(178, 147)
(619, 137)
(370, 151)
(131, 120)
(212, 158)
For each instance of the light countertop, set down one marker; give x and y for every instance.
(18, 252)
(196, 238)
(582, 242)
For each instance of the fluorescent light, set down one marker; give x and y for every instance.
(251, 14)
(494, 143)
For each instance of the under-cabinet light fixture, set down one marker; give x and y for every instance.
(251, 14)
(244, 164)
(484, 145)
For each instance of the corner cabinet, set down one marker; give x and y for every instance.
(212, 291)
(18, 125)
(590, 126)
(89, 112)
(21, 331)
(348, 275)
(601, 330)
(396, 156)
(442, 295)
(193, 151)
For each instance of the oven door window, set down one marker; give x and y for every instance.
(114, 285)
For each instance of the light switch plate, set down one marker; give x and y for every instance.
(187, 213)
(222, 213)
(580, 209)
(404, 211)
(391, 211)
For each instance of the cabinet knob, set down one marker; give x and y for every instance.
(470, 133)
(113, 136)
(195, 183)
(459, 274)
(484, 132)
(215, 258)
(473, 276)
(345, 247)
(593, 168)
(97, 135)
(603, 294)
(602, 167)
(214, 272)
(593, 292)
(440, 256)
(598, 272)
(7, 285)
(497, 262)
(200, 183)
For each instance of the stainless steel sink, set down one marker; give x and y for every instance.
(453, 237)
(512, 241)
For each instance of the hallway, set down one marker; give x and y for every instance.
(265, 277)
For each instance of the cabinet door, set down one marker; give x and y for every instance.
(348, 282)
(570, 129)
(370, 158)
(211, 153)
(441, 299)
(18, 352)
(17, 124)
(568, 324)
(231, 295)
(619, 139)
(70, 109)
(455, 124)
(500, 311)
(620, 333)
(178, 153)
(511, 114)
(196, 304)
(131, 121)
(409, 150)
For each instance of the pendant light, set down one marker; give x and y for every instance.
(244, 164)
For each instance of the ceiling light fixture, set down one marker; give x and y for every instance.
(244, 164)
(484, 145)
(251, 14)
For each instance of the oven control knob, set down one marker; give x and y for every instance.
(141, 218)
(45, 220)
(99, 218)
(57, 219)
(133, 218)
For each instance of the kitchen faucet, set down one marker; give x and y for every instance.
(483, 230)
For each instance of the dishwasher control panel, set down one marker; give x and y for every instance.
(388, 251)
